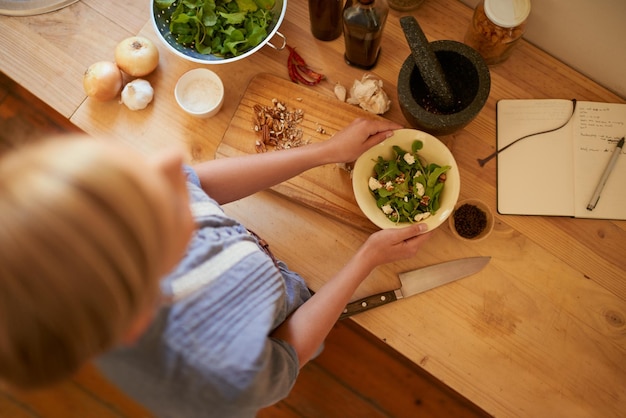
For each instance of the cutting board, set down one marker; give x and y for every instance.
(328, 188)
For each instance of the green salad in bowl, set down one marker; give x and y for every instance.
(410, 177)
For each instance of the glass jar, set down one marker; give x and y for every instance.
(325, 17)
(363, 24)
(496, 27)
(404, 5)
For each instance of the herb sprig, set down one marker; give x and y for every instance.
(225, 28)
(406, 188)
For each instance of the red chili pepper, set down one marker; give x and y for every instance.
(295, 75)
(295, 56)
(314, 75)
(305, 78)
(292, 71)
(299, 71)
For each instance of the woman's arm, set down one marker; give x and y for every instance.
(307, 328)
(229, 179)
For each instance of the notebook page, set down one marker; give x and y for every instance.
(535, 175)
(597, 130)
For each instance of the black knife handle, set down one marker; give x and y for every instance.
(369, 302)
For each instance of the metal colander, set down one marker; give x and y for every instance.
(161, 23)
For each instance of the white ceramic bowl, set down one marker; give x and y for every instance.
(161, 23)
(433, 151)
(200, 92)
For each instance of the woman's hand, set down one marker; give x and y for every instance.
(389, 245)
(362, 134)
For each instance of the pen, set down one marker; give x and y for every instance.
(607, 171)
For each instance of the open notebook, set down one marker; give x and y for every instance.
(556, 173)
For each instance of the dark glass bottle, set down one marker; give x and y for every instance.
(363, 24)
(325, 16)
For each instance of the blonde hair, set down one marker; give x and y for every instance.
(79, 236)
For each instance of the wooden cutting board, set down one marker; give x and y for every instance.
(328, 188)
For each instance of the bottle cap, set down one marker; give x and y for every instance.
(507, 13)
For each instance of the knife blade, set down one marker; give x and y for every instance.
(418, 281)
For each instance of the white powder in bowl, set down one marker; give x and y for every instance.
(200, 95)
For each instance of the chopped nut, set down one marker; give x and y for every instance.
(278, 126)
(265, 134)
(259, 146)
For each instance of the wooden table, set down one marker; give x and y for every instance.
(541, 331)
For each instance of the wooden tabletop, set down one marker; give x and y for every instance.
(541, 331)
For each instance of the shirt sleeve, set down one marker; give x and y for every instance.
(275, 379)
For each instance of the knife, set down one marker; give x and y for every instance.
(418, 281)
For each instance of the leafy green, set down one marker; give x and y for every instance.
(406, 188)
(225, 28)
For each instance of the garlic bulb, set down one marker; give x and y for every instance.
(137, 94)
(368, 93)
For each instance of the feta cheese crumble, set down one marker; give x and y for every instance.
(421, 216)
(387, 209)
(374, 184)
(419, 189)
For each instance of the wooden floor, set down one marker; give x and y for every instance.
(356, 376)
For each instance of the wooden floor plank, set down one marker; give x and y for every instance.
(11, 407)
(319, 394)
(65, 400)
(396, 385)
(24, 118)
(280, 410)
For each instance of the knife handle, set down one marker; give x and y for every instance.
(369, 302)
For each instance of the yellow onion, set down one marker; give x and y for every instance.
(103, 80)
(137, 56)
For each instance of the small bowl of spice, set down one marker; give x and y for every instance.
(471, 220)
(200, 93)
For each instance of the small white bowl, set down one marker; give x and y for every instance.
(200, 93)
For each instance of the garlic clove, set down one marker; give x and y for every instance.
(340, 92)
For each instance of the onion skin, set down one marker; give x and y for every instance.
(103, 81)
(137, 56)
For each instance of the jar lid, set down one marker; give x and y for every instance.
(507, 13)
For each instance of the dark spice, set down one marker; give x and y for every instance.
(469, 221)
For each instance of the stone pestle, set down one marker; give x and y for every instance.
(427, 64)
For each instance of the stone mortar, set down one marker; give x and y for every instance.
(468, 77)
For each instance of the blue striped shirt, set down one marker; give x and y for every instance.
(209, 354)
